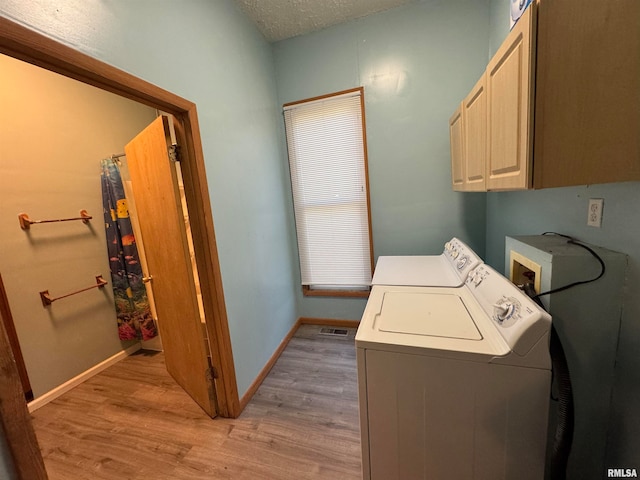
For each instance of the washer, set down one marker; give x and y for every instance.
(449, 269)
(454, 382)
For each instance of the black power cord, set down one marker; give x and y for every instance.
(573, 241)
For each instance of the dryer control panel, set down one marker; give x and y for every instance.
(518, 319)
(461, 257)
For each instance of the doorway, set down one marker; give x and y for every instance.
(24, 44)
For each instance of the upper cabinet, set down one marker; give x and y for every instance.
(457, 154)
(587, 117)
(467, 129)
(474, 109)
(510, 116)
(561, 98)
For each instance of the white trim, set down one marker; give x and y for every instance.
(51, 395)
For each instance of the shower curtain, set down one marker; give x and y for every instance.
(132, 305)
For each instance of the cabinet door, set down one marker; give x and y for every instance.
(457, 150)
(510, 113)
(475, 137)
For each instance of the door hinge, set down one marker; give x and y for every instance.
(212, 373)
(174, 153)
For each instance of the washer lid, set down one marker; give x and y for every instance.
(430, 314)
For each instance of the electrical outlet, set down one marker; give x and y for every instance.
(594, 218)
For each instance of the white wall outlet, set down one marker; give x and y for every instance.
(594, 218)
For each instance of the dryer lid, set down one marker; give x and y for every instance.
(428, 314)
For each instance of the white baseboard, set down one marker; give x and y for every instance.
(77, 380)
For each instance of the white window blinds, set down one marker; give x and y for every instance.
(328, 176)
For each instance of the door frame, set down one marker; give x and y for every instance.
(12, 336)
(32, 47)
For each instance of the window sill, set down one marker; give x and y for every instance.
(313, 292)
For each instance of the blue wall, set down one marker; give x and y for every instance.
(416, 64)
(499, 17)
(209, 53)
(564, 210)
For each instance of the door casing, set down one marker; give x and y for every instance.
(27, 45)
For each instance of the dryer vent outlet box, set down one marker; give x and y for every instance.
(522, 270)
(587, 319)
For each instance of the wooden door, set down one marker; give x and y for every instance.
(21, 449)
(12, 335)
(457, 152)
(155, 189)
(510, 102)
(475, 137)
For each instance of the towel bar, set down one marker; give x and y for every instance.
(26, 222)
(47, 300)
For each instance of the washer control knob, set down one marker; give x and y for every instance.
(462, 262)
(455, 254)
(447, 246)
(503, 311)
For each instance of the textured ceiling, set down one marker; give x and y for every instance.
(280, 19)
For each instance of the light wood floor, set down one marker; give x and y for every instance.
(133, 422)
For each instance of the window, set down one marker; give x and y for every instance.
(326, 141)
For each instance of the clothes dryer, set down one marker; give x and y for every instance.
(449, 269)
